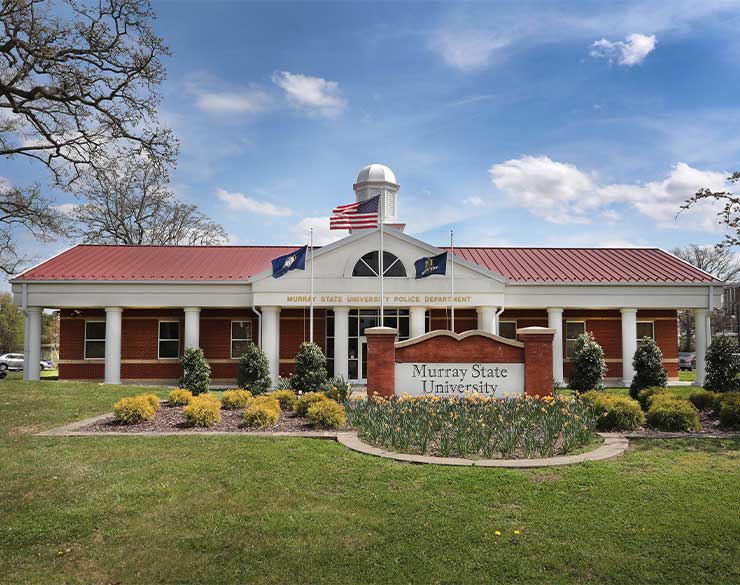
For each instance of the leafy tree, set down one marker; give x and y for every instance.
(648, 365)
(589, 365)
(11, 325)
(254, 370)
(310, 369)
(723, 366)
(196, 371)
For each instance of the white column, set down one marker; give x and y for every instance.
(417, 321)
(341, 341)
(192, 327)
(487, 319)
(271, 339)
(703, 329)
(113, 345)
(555, 321)
(26, 338)
(629, 344)
(32, 370)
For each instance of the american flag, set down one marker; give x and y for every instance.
(363, 214)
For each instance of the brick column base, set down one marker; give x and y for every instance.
(538, 378)
(381, 359)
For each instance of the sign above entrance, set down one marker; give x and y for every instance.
(455, 380)
(359, 300)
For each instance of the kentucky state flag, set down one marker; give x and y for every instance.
(431, 265)
(293, 261)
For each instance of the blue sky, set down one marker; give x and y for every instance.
(515, 123)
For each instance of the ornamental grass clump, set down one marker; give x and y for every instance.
(327, 414)
(235, 399)
(474, 426)
(134, 409)
(305, 401)
(262, 411)
(668, 413)
(179, 397)
(203, 411)
(287, 398)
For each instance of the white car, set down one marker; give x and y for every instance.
(14, 361)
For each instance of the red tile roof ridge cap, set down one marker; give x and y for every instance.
(186, 246)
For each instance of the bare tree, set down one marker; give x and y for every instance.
(718, 261)
(132, 204)
(729, 215)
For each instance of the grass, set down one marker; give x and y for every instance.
(220, 509)
(685, 376)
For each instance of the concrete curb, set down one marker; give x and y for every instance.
(612, 446)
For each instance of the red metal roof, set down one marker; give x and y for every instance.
(239, 263)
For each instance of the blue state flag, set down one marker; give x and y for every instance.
(293, 261)
(431, 265)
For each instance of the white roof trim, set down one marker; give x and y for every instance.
(458, 337)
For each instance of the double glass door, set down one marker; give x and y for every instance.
(361, 319)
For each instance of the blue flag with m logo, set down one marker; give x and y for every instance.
(431, 265)
(293, 261)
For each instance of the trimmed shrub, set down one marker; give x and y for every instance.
(153, 400)
(254, 370)
(262, 412)
(648, 364)
(702, 399)
(196, 372)
(286, 398)
(179, 397)
(310, 368)
(723, 366)
(234, 399)
(613, 412)
(668, 413)
(589, 365)
(645, 396)
(134, 409)
(337, 388)
(307, 400)
(327, 414)
(729, 411)
(203, 411)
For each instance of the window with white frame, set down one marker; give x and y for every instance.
(241, 335)
(645, 329)
(572, 330)
(169, 339)
(94, 340)
(507, 329)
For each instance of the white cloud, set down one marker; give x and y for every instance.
(467, 50)
(241, 202)
(65, 208)
(631, 52)
(249, 101)
(475, 201)
(322, 235)
(314, 94)
(562, 193)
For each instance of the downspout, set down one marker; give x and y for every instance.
(259, 323)
(498, 314)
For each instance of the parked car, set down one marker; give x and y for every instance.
(686, 360)
(14, 362)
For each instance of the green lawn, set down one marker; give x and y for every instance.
(255, 510)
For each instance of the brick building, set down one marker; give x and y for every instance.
(127, 313)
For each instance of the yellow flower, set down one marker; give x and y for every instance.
(516, 532)
(497, 533)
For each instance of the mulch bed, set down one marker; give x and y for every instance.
(170, 418)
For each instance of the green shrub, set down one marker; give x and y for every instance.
(262, 412)
(702, 399)
(645, 396)
(307, 400)
(723, 366)
(203, 410)
(134, 409)
(310, 369)
(235, 399)
(195, 371)
(648, 364)
(589, 365)
(668, 413)
(284, 383)
(286, 398)
(179, 397)
(615, 413)
(729, 411)
(337, 388)
(254, 370)
(327, 414)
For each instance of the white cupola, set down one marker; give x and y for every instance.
(377, 179)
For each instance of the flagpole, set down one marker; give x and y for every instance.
(452, 280)
(310, 311)
(381, 263)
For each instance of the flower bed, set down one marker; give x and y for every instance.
(475, 426)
